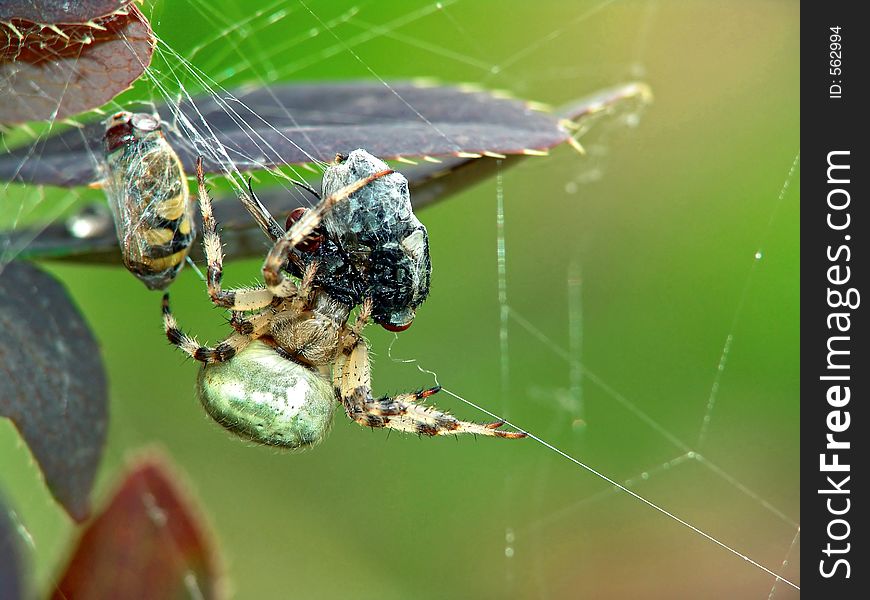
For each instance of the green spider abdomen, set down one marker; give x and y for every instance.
(265, 398)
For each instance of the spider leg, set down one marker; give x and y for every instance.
(352, 336)
(248, 324)
(276, 281)
(268, 225)
(305, 293)
(222, 352)
(261, 215)
(242, 299)
(352, 383)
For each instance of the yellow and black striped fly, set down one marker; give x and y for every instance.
(149, 197)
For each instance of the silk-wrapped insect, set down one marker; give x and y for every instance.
(149, 197)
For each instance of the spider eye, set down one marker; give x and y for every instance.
(310, 243)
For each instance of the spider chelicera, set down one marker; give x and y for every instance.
(361, 245)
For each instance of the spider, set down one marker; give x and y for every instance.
(269, 381)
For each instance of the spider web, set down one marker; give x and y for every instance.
(641, 328)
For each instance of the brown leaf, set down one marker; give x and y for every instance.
(298, 123)
(50, 72)
(58, 11)
(52, 382)
(147, 543)
(429, 183)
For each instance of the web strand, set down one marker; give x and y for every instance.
(170, 85)
(741, 303)
(575, 338)
(624, 489)
(643, 416)
(785, 562)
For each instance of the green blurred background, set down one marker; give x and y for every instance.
(664, 242)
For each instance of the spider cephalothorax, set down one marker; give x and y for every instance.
(269, 380)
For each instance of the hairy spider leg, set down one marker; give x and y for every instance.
(246, 324)
(268, 225)
(276, 282)
(352, 383)
(241, 299)
(222, 352)
(260, 214)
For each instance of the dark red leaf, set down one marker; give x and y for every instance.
(52, 382)
(11, 568)
(429, 182)
(292, 124)
(50, 72)
(147, 543)
(58, 11)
